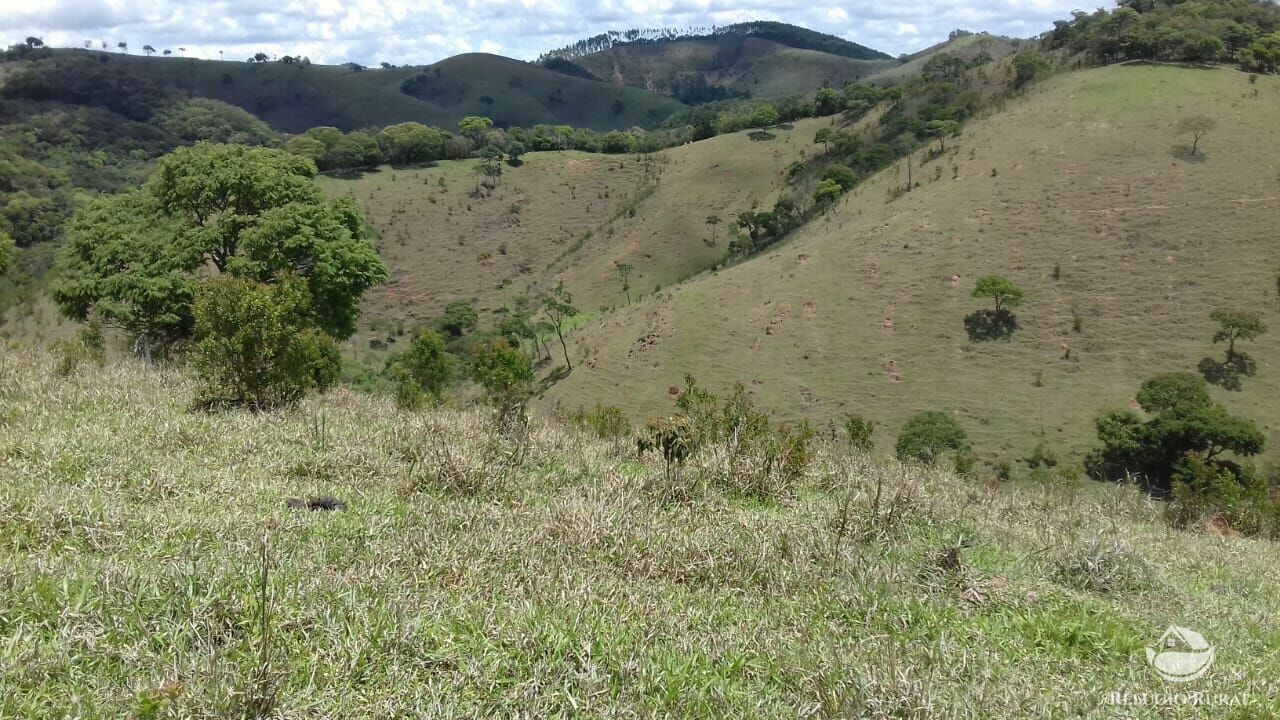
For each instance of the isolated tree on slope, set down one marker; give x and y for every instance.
(558, 307)
(1197, 126)
(1236, 325)
(1233, 325)
(1006, 295)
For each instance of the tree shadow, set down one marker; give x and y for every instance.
(1228, 374)
(1185, 154)
(989, 325)
(551, 379)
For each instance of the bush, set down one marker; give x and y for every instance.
(1206, 494)
(1004, 471)
(88, 346)
(604, 421)
(422, 372)
(761, 459)
(860, 432)
(929, 435)
(1041, 455)
(257, 344)
(459, 318)
(966, 464)
(505, 374)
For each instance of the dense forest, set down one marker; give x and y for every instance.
(1240, 31)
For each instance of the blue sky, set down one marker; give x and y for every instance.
(423, 31)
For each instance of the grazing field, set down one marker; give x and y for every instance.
(667, 238)
(562, 216)
(445, 242)
(1076, 192)
(150, 568)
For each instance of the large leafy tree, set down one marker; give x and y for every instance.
(135, 260)
(1182, 421)
(412, 142)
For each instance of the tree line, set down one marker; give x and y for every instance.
(1240, 31)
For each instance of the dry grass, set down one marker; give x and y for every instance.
(150, 569)
(1085, 180)
(562, 215)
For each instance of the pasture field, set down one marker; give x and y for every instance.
(1076, 192)
(149, 568)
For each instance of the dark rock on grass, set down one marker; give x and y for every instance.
(319, 502)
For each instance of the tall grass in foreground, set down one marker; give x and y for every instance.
(149, 568)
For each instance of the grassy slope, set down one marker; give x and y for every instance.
(764, 68)
(293, 98)
(1147, 243)
(667, 239)
(131, 558)
(443, 244)
(966, 48)
(452, 248)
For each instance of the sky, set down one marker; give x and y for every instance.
(417, 32)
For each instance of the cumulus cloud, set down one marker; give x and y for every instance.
(424, 31)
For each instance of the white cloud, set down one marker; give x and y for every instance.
(423, 31)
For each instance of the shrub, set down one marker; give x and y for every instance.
(1004, 471)
(505, 375)
(88, 346)
(604, 421)
(671, 437)
(861, 433)
(459, 318)
(965, 464)
(257, 345)
(1041, 455)
(1204, 493)
(760, 459)
(422, 372)
(929, 435)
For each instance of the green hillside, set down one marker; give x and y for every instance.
(294, 97)
(1075, 192)
(737, 65)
